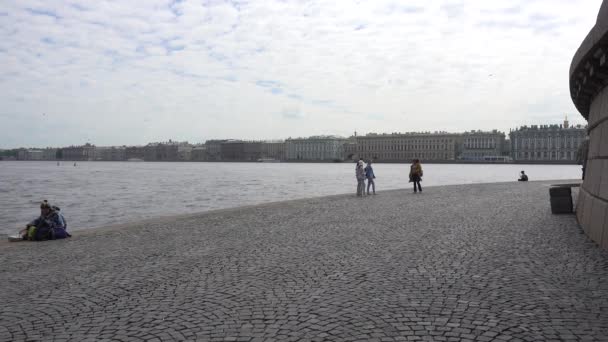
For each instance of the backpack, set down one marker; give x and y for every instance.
(60, 232)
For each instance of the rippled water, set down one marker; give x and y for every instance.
(95, 194)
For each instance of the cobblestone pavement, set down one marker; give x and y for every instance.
(456, 263)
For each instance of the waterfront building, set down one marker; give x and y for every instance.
(199, 153)
(49, 153)
(163, 151)
(29, 154)
(184, 152)
(239, 150)
(99, 151)
(110, 153)
(78, 153)
(403, 147)
(350, 149)
(21, 154)
(506, 151)
(315, 148)
(34, 154)
(214, 149)
(274, 150)
(481, 146)
(135, 152)
(547, 142)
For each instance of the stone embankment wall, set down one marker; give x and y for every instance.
(589, 91)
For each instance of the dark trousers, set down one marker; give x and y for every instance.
(419, 187)
(370, 181)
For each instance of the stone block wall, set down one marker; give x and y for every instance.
(588, 80)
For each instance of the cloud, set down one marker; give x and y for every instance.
(292, 113)
(42, 12)
(194, 70)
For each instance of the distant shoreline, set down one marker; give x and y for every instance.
(520, 162)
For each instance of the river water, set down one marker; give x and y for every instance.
(95, 194)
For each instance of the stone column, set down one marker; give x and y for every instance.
(589, 92)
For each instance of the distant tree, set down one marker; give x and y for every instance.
(59, 154)
(9, 153)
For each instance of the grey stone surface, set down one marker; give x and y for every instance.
(456, 263)
(590, 95)
(587, 69)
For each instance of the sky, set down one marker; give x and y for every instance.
(133, 72)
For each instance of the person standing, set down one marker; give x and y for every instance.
(360, 174)
(416, 174)
(582, 154)
(369, 174)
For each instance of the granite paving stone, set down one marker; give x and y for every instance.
(483, 262)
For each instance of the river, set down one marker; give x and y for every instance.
(95, 194)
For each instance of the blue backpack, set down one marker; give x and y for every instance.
(60, 232)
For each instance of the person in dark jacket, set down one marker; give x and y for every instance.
(523, 177)
(369, 174)
(416, 175)
(49, 225)
(582, 155)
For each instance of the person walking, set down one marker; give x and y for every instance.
(369, 174)
(416, 174)
(360, 175)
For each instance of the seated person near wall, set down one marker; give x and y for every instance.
(49, 225)
(523, 177)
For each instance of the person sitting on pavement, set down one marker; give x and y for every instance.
(523, 177)
(50, 225)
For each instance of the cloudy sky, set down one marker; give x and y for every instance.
(132, 72)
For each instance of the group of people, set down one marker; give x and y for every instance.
(366, 172)
(363, 173)
(50, 225)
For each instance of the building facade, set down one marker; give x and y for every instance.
(184, 152)
(404, 147)
(507, 148)
(238, 150)
(49, 153)
(199, 153)
(481, 146)
(110, 153)
(165, 151)
(78, 153)
(274, 150)
(546, 142)
(350, 149)
(214, 149)
(30, 154)
(321, 148)
(135, 152)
